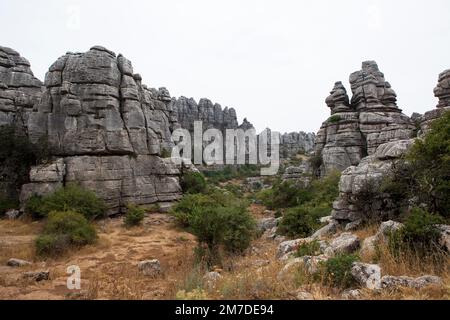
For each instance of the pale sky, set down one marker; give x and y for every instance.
(273, 61)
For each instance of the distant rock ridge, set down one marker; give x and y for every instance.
(358, 126)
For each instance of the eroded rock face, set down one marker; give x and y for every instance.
(370, 171)
(212, 115)
(359, 126)
(294, 143)
(19, 89)
(106, 129)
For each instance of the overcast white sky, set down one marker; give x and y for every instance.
(273, 61)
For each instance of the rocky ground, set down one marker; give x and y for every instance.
(111, 268)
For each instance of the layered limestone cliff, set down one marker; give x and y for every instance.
(106, 130)
(294, 143)
(372, 169)
(358, 126)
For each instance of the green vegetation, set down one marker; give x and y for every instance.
(71, 197)
(308, 249)
(419, 235)
(337, 270)
(64, 230)
(134, 215)
(220, 221)
(316, 162)
(193, 182)
(305, 206)
(232, 172)
(335, 118)
(17, 155)
(424, 174)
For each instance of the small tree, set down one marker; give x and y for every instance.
(134, 216)
(64, 230)
(193, 182)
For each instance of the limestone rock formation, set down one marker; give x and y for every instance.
(294, 143)
(357, 127)
(442, 92)
(106, 130)
(19, 89)
(212, 115)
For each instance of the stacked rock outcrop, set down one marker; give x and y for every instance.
(19, 89)
(106, 131)
(294, 143)
(372, 169)
(358, 126)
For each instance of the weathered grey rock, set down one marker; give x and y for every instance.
(444, 240)
(211, 279)
(351, 294)
(345, 243)
(356, 129)
(442, 90)
(267, 224)
(367, 275)
(12, 214)
(392, 282)
(37, 275)
(107, 129)
(291, 245)
(329, 229)
(303, 295)
(370, 172)
(386, 228)
(294, 143)
(13, 262)
(326, 219)
(354, 225)
(313, 263)
(150, 268)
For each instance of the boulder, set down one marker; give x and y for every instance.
(445, 236)
(150, 268)
(13, 262)
(37, 275)
(290, 246)
(12, 214)
(329, 229)
(392, 282)
(367, 275)
(386, 228)
(345, 243)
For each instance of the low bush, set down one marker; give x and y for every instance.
(308, 249)
(314, 202)
(297, 222)
(71, 197)
(337, 270)
(64, 230)
(232, 172)
(218, 221)
(134, 215)
(193, 182)
(419, 234)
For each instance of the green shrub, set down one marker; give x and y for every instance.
(303, 220)
(423, 176)
(166, 153)
(17, 155)
(218, 220)
(71, 197)
(64, 230)
(308, 249)
(232, 172)
(419, 234)
(335, 118)
(134, 215)
(284, 195)
(297, 222)
(337, 270)
(193, 182)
